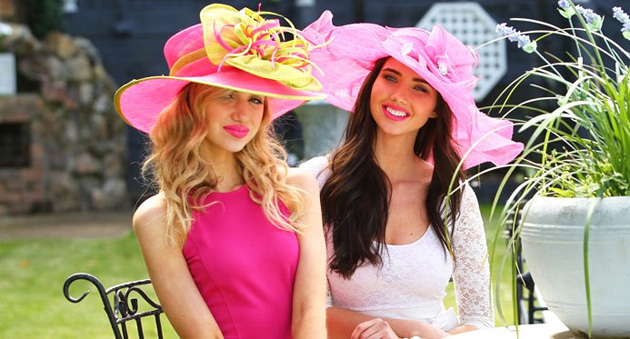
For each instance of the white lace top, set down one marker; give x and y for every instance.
(412, 281)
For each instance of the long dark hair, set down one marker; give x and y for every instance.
(355, 198)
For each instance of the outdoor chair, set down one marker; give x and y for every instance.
(121, 304)
(528, 307)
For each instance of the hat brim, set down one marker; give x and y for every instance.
(140, 102)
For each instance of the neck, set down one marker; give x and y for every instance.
(226, 170)
(395, 156)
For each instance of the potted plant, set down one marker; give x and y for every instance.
(575, 232)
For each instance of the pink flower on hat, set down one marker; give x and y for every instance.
(445, 57)
(246, 40)
(450, 58)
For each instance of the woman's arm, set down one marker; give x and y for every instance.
(182, 303)
(471, 273)
(462, 329)
(309, 295)
(344, 324)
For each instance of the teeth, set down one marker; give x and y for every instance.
(396, 112)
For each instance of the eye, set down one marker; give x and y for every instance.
(390, 78)
(256, 100)
(229, 95)
(422, 89)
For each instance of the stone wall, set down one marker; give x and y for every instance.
(22, 188)
(78, 142)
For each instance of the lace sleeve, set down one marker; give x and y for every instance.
(471, 274)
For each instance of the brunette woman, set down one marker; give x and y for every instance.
(400, 219)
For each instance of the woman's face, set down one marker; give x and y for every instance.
(233, 119)
(401, 101)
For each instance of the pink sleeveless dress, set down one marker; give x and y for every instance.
(243, 266)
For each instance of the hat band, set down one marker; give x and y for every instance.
(187, 59)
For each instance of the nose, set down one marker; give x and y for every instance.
(397, 95)
(240, 109)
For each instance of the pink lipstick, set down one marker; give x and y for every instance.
(395, 113)
(238, 131)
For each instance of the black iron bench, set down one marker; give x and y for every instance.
(121, 304)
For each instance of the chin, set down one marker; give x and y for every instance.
(234, 149)
(237, 147)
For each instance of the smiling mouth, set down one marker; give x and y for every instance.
(396, 112)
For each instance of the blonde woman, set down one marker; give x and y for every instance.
(233, 241)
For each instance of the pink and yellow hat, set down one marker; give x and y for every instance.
(442, 60)
(231, 49)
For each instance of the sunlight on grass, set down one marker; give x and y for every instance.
(33, 272)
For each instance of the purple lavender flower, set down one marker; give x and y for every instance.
(622, 17)
(593, 20)
(513, 35)
(565, 8)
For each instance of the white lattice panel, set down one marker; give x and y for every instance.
(470, 23)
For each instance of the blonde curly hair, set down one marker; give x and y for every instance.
(177, 168)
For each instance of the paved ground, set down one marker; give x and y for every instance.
(63, 225)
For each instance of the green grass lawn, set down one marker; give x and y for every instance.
(32, 272)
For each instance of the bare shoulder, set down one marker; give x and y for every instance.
(302, 179)
(151, 212)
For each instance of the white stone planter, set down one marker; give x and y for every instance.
(7, 74)
(553, 242)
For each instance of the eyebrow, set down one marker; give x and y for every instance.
(400, 74)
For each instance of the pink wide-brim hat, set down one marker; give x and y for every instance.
(191, 59)
(351, 51)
